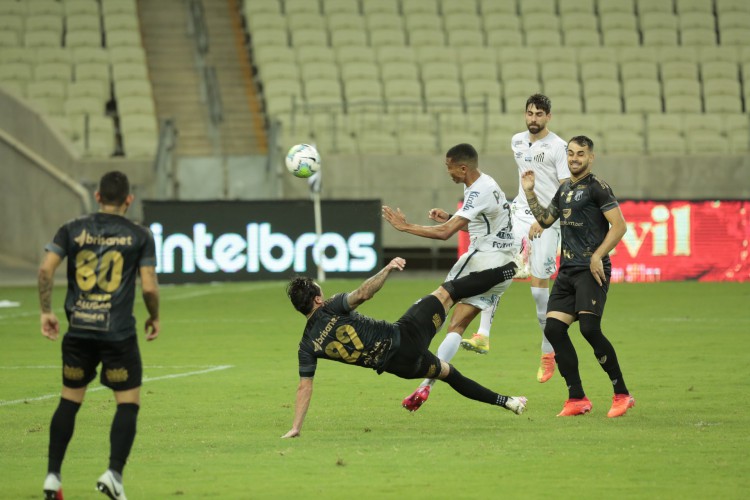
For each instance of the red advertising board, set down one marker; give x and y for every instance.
(682, 240)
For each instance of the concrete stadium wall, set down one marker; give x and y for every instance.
(33, 203)
(418, 183)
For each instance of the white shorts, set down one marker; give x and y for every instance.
(543, 257)
(473, 261)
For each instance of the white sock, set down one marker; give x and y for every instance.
(541, 297)
(485, 323)
(448, 348)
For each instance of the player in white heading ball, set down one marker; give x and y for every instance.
(543, 152)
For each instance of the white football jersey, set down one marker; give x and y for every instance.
(548, 158)
(488, 212)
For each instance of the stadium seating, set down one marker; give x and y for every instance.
(66, 57)
(622, 58)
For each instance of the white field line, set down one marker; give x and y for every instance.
(101, 387)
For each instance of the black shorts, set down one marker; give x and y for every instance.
(418, 327)
(578, 291)
(121, 363)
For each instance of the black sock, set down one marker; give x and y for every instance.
(60, 433)
(472, 390)
(556, 332)
(605, 354)
(479, 282)
(122, 435)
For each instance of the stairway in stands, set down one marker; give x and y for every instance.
(177, 83)
(242, 130)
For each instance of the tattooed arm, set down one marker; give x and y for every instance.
(545, 216)
(371, 286)
(48, 320)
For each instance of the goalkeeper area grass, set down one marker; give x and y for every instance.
(220, 390)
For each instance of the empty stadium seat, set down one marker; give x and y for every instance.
(731, 6)
(623, 143)
(696, 20)
(519, 70)
(443, 96)
(504, 38)
(83, 22)
(377, 6)
(500, 21)
(319, 37)
(682, 104)
(639, 70)
(129, 21)
(429, 37)
(123, 38)
(698, 37)
(603, 104)
(643, 104)
(498, 6)
(419, 7)
(555, 70)
(579, 21)
(594, 87)
(387, 36)
(665, 143)
(399, 70)
(364, 94)
(575, 6)
(345, 20)
(706, 142)
(679, 69)
(451, 7)
(641, 86)
(736, 36)
(465, 38)
(479, 71)
(135, 104)
(376, 142)
(659, 37)
(335, 6)
(620, 38)
(562, 88)
(483, 91)
(580, 38)
(418, 142)
(52, 71)
(423, 21)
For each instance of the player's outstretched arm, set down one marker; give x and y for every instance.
(50, 325)
(544, 216)
(304, 395)
(372, 285)
(397, 219)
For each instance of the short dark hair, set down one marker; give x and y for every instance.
(463, 153)
(301, 291)
(541, 101)
(582, 140)
(114, 188)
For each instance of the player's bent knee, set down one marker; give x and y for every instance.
(591, 325)
(555, 329)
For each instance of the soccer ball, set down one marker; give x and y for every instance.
(303, 160)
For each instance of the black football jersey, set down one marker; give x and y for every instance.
(338, 333)
(105, 252)
(583, 226)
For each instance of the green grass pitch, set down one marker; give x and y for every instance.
(223, 375)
